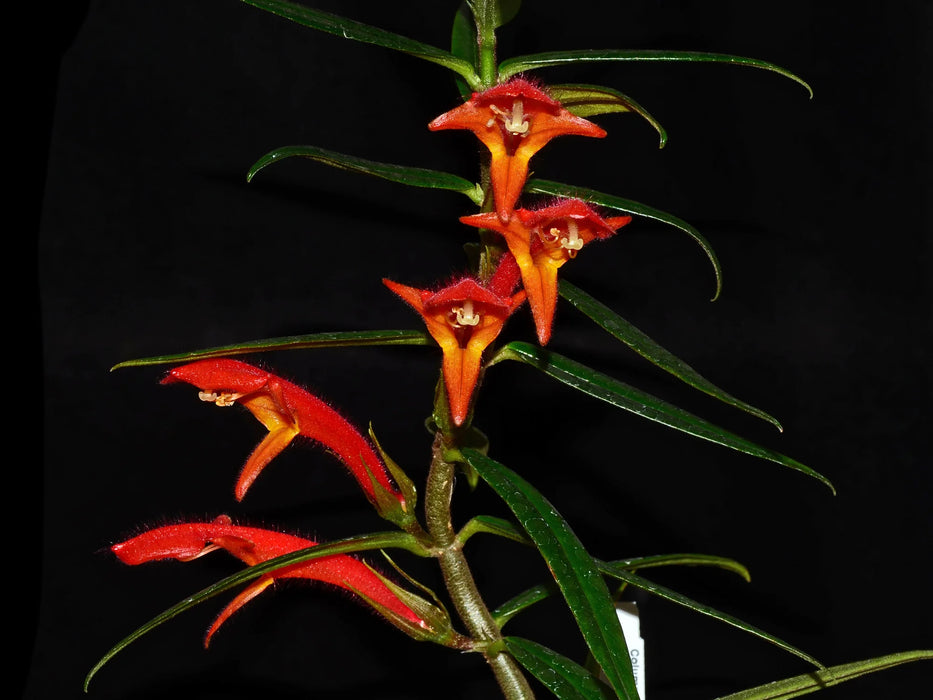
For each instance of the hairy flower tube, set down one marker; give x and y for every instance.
(287, 411)
(542, 240)
(514, 121)
(464, 318)
(187, 541)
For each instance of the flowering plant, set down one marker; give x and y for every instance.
(528, 230)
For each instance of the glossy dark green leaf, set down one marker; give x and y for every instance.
(655, 560)
(379, 540)
(290, 342)
(523, 600)
(520, 64)
(834, 675)
(591, 100)
(567, 679)
(623, 574)
(536, 186)
(406, 175)
(618, 327)
(621, 395)
(351, 29)
(574, 570)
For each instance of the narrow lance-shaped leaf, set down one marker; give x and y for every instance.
(654, 560)
(621, 395)
(406, 175)
(834, 675)
(291, 342)
(623, 570)
(380, 540)
(351, 29)
(567, 679)
(623, 574)
(573, 569)
(503, 528)
(589, 100)
(520, 64)
(510, 608)
(493, 526)
(618, 327)
(536, 186)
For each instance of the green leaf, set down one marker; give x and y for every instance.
(523, 600)
(834, 675)
(492, 526)
(591, 100)
(520, 64)
(621, 329)
(623, 574)
(567, 679)
(655, 560)
(406, 175)
(535, 594)
(573, 569)
(351, 29)
(536, 186)
(292, 342)
(379, 540)
(621, 395)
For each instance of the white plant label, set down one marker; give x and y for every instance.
(631, 628)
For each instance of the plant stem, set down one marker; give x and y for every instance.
(464, 594)
(485, 12)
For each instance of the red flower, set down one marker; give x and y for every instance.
(286, 410)
(542, 240)
(187, 541)
(464, 318)
(514, 121)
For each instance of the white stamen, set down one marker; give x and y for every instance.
(222, 399)
(515, 122)
(572, 241)
(465, 315)
(552, 235)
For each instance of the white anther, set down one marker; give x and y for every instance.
(465, 315)
(515, 122)
(572, 241)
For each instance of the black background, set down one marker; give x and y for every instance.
(151, 241)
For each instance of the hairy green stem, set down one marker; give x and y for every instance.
(486, 635)
(486, 13)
